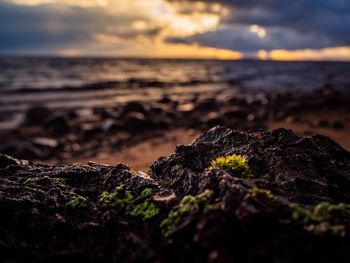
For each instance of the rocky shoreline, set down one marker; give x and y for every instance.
(65, 135)
(272, 197)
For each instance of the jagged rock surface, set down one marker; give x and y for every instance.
(38, 225)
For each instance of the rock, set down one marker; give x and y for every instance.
(160, 122)
(215, 121)
(91, 130)
(57, 124)
(156, 111)
(251, 117)
(212, 119)
(109, 125)
(323, 123)
(206, 105)
(165, 100)
(26, 150)
(236, 112)
(187, 107)
(292, 119)
(71, 115)
(133, 107)
(286, 200)
(36, 115)
(46, 142)
(338, 125)
(105, 113)
(136, 122)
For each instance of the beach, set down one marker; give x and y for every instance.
(134, 118)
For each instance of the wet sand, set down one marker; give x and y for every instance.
(310, 126)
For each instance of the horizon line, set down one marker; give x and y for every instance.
(95, 56)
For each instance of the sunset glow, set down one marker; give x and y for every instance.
(337, 53)
(167, 28)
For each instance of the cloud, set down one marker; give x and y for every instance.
(171, 28)
(240, 37)
(313, 24)
(48, 25)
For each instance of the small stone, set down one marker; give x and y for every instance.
(338, 125)
(323, 123)
(36, 115)
(48, 142)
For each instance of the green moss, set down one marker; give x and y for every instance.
(77, 202)
(138, 206)
(235, 164)
(261, 193)
(146, 210)
(338, 230)
(321, 212)
(225, 142)
(323, 217)
(189, 204)
(147, 192)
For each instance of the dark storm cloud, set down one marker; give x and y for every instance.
(27, 27)
(47, 28)
(290, 24)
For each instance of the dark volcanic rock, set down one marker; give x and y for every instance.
(133, 107)
(136, 122)
(55, 213)
(57, 124)
(36, 115)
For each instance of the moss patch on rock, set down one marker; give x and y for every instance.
(189, 204)
(77, 202)
(139, 206)
(323, 218)
(261, 193)
(235, 164)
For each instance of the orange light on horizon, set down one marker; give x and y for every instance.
(263, 55)
(333, 53)
(193, 51)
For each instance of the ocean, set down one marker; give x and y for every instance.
(92, 82)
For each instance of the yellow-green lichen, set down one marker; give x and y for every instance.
(261, 193)
(138, 206)
(189, 204)
(235, 164)
(77, 202)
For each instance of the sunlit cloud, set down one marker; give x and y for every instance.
(143, 47)
(82, 3)
(170, 28)
(258, 30)
(154, 11)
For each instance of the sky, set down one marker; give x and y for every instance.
(221, 29)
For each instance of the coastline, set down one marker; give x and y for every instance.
(135, 129)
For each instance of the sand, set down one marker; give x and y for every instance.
(141, 155)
